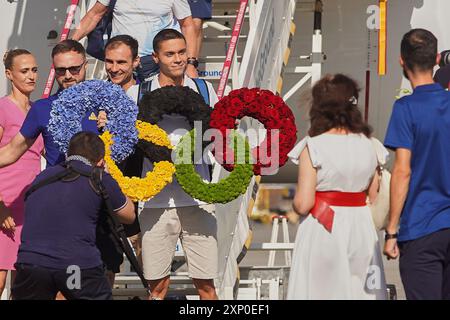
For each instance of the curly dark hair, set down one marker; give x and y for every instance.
(334, 105)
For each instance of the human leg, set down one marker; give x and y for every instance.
(422, 266)
(198, 25)
(136, 243)
(199, 240)
(33, 283)
(446, 283)
(201, 10)
(160, 229)
(3, 276)
(159, 288)
(205, 288)
(93, 285)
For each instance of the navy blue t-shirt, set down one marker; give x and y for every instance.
(420, 122)
(60, 221)
(37, 121)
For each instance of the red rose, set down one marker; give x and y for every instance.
(229, 122)
(288, 112)
(213, 123)
(254, 90)
(273, 124)
(233, 94)
(249, 96)
(265, 92)
(288, 125)
(273, 100)
(235, 103)
(267, 98)
(233, 111)
(273, 114)
(219, 104)
(252, 108)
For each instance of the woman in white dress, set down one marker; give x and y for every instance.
(337, 253)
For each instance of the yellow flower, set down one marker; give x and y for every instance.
(153, 133)
(142, 189)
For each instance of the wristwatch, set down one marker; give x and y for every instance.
(388, 236)
(193, 61)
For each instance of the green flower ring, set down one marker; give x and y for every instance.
(223, 191)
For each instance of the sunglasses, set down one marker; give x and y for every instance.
(74, 70)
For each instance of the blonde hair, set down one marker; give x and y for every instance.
(8, 57)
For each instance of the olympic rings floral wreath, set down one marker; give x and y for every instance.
(264, 106)
(121, 134)
(171, 100)
(74, 103)
(142, 189)
(186, 102)
(226, 189)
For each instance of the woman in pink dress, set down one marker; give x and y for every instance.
(21, 70)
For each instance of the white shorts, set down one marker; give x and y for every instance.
(196, 226)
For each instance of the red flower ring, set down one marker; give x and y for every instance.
(267, 108)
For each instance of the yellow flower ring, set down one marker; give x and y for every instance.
(142, 189)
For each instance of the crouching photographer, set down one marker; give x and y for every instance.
(62, 209)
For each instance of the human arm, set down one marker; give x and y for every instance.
(90, 21)
(401, 175)
(126, 214)
(399, 137)
(6, 220)
(120, 203)
(189, 32)
(14, 149)
(306, 188)
(374, 186)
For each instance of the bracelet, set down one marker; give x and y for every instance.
(388, 236)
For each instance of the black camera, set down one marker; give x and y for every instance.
(445, 58)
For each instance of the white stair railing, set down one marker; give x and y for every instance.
(270, 25)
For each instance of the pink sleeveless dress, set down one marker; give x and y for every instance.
(15, 179)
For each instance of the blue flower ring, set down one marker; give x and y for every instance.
(74, 103)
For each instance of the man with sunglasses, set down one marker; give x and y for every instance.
(69, 60)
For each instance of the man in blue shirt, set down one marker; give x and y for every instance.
(69, 60)
(58, 250)
(419, 132)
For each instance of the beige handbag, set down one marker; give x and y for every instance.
(380, 207)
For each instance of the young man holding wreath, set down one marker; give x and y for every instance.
(173, 214)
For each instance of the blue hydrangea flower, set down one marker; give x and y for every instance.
(79, 101)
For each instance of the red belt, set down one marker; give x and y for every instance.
(322, 211)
